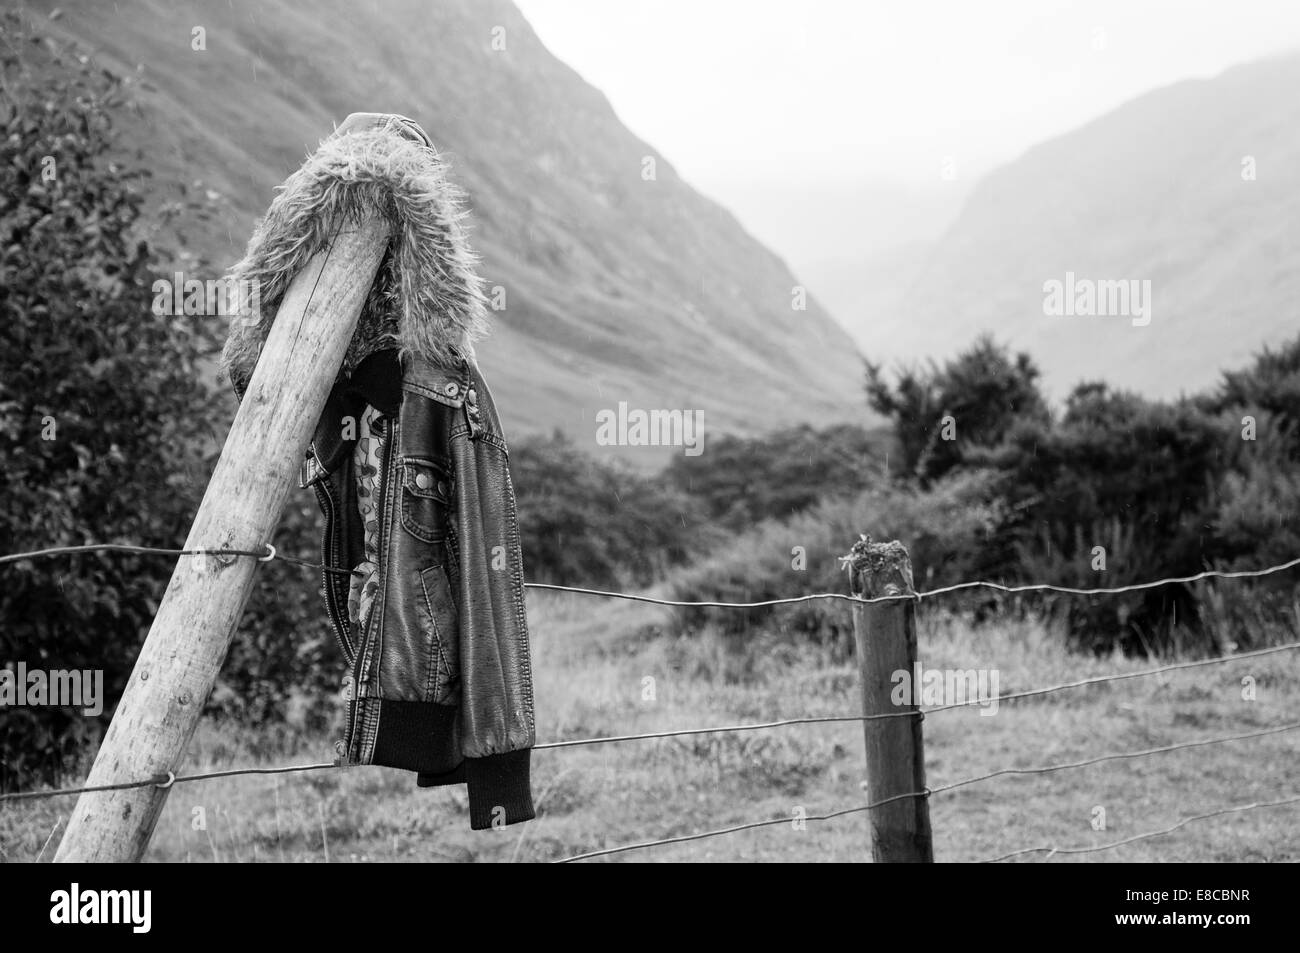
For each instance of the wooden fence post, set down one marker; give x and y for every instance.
(884, 634)
(196, 620)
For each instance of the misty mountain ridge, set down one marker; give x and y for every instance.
(1193, 188)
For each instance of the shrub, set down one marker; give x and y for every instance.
(585, 522)
(103, 412)
(740, 481)
(1134, 477)
(984, 390)
(946, 530)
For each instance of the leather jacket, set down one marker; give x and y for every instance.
(440, 678)
(439, 670)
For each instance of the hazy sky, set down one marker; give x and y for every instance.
(738, 94)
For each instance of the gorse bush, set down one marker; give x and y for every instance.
(940, 413)
(1257, 517)
(1118, 489)
(948, 529)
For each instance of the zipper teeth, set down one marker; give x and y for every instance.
(365, 645)
(385, 485)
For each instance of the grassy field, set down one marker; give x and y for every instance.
(593, 659)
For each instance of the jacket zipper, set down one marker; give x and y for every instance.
(366, 643)
(331, 561)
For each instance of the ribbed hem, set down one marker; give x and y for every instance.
(500, 791)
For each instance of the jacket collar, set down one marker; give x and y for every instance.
(427, 298)
(445, 384)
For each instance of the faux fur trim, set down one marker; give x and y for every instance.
(427, 298)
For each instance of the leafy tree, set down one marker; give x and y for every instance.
(103, 411)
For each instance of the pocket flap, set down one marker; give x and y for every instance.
(427, 478)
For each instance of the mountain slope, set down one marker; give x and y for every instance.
(615, 288)
(1153, 190)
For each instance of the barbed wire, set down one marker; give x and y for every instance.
(167, 779)
(266, 555)
(926, 594)
(929, 791)
(739, 827)
(1137, 837)
(1112, 590)
(720, 729)
(270, 553)
(679, 732)
(1119, 677)
(1116, 756)
(922, 712)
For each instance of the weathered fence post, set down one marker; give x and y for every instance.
(884, 635)
(196, 620)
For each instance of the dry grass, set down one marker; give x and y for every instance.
(592, 661)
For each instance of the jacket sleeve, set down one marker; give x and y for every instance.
(497, 730)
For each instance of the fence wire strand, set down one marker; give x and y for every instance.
(269, 554)
(721, 729)
(1257, 805)
(680, 732)
(1099, 679)
(739, 827)
(929, 791)
(265, 555)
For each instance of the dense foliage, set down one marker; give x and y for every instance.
(585, 522)
(940, 412)
(1117, 489)
(742, 480)
(102, 407)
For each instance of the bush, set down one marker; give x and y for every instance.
(103, 412)
(1134, 477)
(1257, 520)
(985, 391)
(584, 522)
(285, 644)
(946, 529)
(740, 481)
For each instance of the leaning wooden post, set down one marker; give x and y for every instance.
(884, 634)
(196, 621)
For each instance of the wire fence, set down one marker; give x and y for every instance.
(269, 553)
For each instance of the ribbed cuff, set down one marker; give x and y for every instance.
(500, 791)
(418, 736)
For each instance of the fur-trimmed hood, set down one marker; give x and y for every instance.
(427, 298)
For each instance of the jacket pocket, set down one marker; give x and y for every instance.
(426, 495)
(440, 628)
